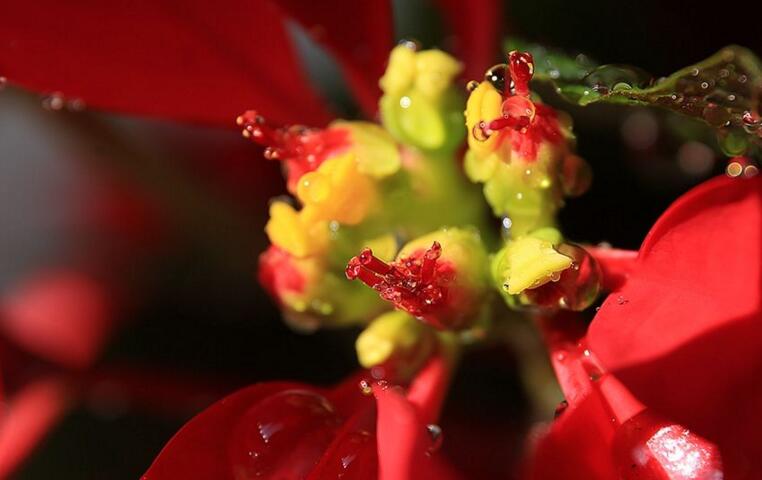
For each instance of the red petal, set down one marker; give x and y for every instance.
(193, 61)
(28, 417)
(201, 448)
(406, 451)
(476, 26)
(63, 316)
(616, 265)
(577, 444)
(683, 332)
(273, 430)
(358, 33)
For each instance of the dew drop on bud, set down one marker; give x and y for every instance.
(436, 436)
(496, 76)
(471, 86)
(480, 132)
(411, 44)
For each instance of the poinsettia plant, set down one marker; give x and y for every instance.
(432, 226)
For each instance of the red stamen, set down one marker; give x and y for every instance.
(373, 263)
(302, 149)
(430, 261)
(416, 284)
(356, 270)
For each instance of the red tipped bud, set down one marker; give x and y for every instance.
(302, 149)
(442, 284)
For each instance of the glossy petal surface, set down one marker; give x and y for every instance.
(683, 332)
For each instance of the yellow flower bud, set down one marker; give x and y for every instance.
(528, 262)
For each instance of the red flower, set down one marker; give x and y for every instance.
(291, 430)
(681, 334)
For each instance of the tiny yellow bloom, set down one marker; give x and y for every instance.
(337, 191)
(528, 262)
(293, 232)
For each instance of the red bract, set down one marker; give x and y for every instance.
(205, 62)
(681, 334)
(290, 431)
(27, 417)
(62, 316)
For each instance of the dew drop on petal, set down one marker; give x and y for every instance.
(54, 101)
(436, 436)
(560, 408)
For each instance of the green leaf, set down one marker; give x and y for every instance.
(724, 91)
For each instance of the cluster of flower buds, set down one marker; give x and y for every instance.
(371, 189)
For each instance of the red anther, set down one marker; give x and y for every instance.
(416, 284)
(356, 270)
(430, 261)
(521, 67)
(373, 263)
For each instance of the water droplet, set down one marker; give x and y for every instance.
(292, 420)
(496, 76)
(561, 356)
(472, 85)
(410, 43)
(365, 387)
(695, 72)
(750, 171)
(560, 408)
(620, 300)
(620, 77)
(716, 115)
(54, 101)
(405, 102)
(733, 143)
(75, 105)
(436, 436)
(480, 132)
(734, 169)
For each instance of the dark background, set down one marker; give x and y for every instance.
(203, 314)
